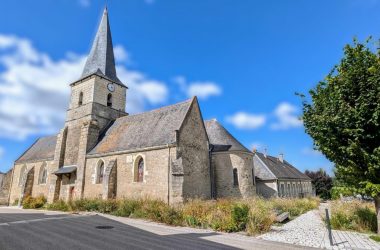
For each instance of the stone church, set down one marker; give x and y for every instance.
(170, 153)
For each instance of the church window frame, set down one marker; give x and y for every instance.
(100, 172)
(109, 100)
(139, 169)
(235, 177)
(42, 177)
(80, 99)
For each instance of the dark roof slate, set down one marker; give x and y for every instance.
(66, 170)
(218, 135)
(42, 149)
(101, 60)
(282, 170)
(149, 129)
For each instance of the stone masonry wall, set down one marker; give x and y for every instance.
(37, 189)
(267, 188)
(155, 184)
(224, 163)
(193, 149)
(5, 187)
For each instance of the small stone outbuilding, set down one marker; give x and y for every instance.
(275, 177)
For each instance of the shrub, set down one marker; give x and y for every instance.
(240, 216)
(32, 203)
(58, 205)
(126, 208)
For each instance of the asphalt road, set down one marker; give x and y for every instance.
(26, 230)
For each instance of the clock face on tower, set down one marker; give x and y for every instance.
(111, 87)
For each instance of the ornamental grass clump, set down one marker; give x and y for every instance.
(253, 216)
(353, 215)
(196, 213)
(295, 207)
(261, 216)
(158, 211)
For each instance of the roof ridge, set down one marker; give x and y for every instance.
(156, 110)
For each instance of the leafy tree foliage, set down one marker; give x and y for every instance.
(322, 182)
(343, 118)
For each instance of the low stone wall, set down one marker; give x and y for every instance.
(4, 188)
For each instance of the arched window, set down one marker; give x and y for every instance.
(80, 100)
(100, 172)
(139, 170)
(236, 179)
(43, 174)
(21, 178)
(109, 100)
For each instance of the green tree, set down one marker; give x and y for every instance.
(322, 182)
(342, 116)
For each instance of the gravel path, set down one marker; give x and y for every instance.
(309, 230)
(305, 230)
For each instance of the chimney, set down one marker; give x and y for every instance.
(265, 153)
(281, 158)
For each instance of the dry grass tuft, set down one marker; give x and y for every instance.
(254, 216)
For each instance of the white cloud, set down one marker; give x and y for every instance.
(286, 115)
(121, 55)
(204, 89)
(244, 120)
(201, 89)
(2, 151)
(34, 88)
(84, 3)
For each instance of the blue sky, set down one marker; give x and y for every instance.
(244, 59)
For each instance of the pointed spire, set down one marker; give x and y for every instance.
(101, 59)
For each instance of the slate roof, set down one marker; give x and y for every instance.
(281, 170)
(101, 60)
(42, 149)
(149, 129)
(66, 170)
(218, 135)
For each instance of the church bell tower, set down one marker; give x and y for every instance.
(97, 99)
(98, 94)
